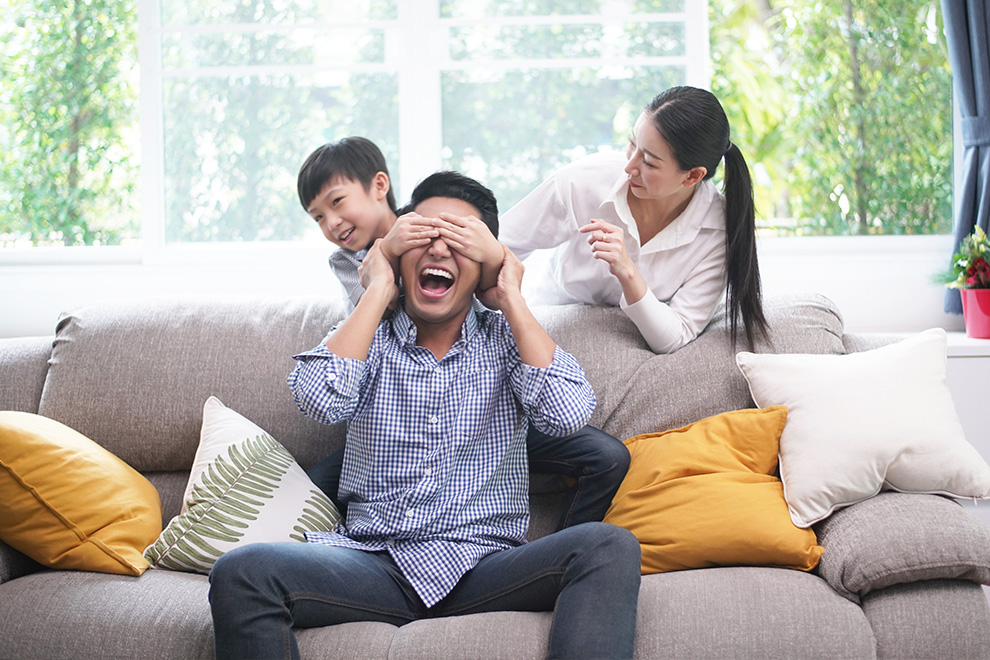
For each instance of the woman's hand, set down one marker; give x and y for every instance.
(607, 243)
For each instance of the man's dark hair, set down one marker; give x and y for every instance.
(457, 186)
(355, 158)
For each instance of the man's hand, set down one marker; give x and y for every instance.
(508, 286)
(472, 238)
(409, 231)
(378, 271)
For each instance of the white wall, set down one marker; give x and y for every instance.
(879, 283)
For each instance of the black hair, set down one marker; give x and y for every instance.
(693, 123)
(355, 158)
(457, 186)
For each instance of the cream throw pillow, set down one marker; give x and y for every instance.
(866, 421)
(244, 487)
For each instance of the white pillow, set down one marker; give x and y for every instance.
(244, 487)
(866, 421)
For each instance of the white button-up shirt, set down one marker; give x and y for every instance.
(683, 265)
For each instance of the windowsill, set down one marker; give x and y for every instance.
(880, 284)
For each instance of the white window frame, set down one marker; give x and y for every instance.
(39, 282)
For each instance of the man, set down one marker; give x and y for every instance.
(438, 398)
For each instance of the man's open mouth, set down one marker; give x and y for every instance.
(435, 281)
(347, 234)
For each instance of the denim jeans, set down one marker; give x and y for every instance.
(588, 573)
(594, 459)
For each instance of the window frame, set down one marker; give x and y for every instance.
(190, 268)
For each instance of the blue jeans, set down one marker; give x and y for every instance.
(594, 459)
(588, 573)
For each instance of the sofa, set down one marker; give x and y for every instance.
(899, 575)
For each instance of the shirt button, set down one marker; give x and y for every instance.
(410, 513)
(390, 543)
(434, 419)
(331, 376)
(427, 471)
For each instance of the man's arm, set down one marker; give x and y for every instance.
(536, 347)
(353, 336)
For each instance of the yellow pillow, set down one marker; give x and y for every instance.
(705, 495)
(68, 503)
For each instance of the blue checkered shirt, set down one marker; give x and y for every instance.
(435, 467)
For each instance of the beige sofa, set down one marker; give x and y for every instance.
(134, 377)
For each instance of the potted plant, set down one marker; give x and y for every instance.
(970, 274)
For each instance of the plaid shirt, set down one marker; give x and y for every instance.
(435, 467)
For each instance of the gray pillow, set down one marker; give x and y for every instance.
(894, 538)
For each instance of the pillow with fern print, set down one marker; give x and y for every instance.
(244, 487)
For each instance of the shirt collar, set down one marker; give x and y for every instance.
(683, 230)
(405, 329)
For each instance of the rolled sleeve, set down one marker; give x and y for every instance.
(557, 399)
(325, 386)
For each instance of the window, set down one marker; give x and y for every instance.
(842, 107)
(844, 111)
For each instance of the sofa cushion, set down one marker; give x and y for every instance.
(639, 391)
(882, 418)
(895, 538)
(244, 488)
(747, 613)
(705, 495)
(133, 375)
(68, 503)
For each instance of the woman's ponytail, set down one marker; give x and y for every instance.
(744, 295)
(693, 123)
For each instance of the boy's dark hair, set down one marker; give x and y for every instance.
(355, 158)
(457, 186)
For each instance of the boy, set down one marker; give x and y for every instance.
(345, 187)
(437, 399)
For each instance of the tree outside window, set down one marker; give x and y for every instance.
(842, 107)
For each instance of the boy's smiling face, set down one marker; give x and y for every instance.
(439, 282)
(350, 216)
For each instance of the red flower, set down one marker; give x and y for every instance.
(979, 274)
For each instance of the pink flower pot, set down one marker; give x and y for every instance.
(976, 312)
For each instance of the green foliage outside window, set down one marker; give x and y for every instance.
(842, 108)
(68, 119)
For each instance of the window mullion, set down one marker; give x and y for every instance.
(151, 120)
(418, 49)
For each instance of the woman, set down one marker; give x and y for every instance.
(649, 231)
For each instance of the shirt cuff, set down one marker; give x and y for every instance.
(660, 326)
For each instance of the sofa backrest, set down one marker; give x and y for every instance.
(134, 377)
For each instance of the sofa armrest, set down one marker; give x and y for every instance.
(24, 365)
(896, 538)
(14, 564)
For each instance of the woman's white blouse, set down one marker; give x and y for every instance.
(683, 265)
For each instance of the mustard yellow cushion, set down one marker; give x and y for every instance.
(706, 495)
(68, 503)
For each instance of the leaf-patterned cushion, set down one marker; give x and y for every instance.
(244, 487)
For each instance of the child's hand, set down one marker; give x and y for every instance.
(409, 231)
(472, 238)
(377, 271)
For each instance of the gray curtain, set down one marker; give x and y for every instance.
(967, 24)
